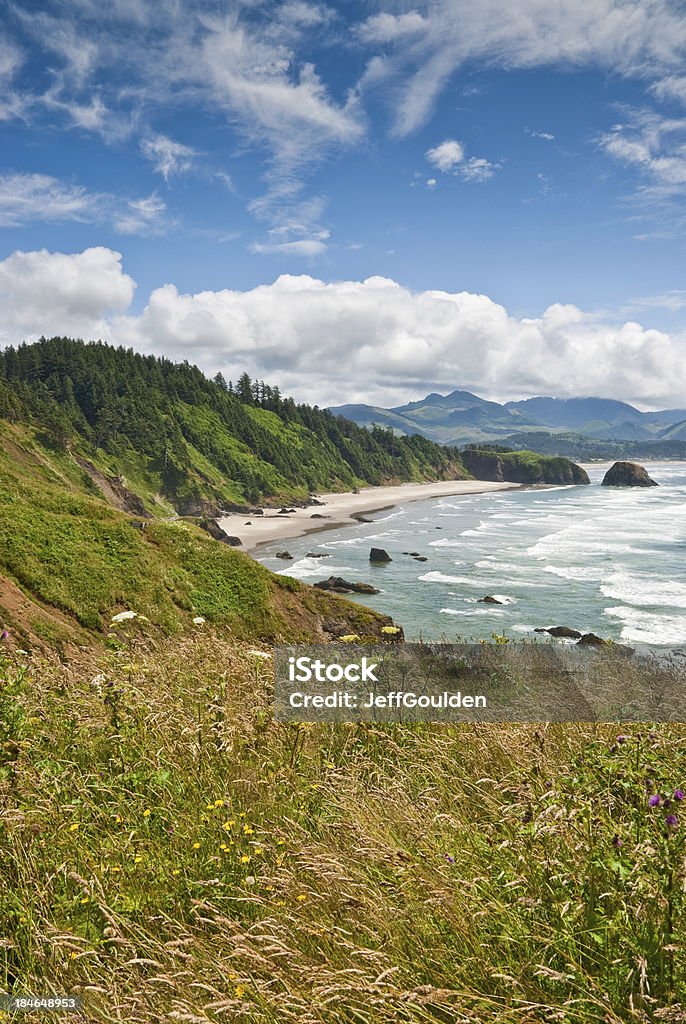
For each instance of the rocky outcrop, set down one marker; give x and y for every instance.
(489, 599)
(379, 555)
(627, 474)
(212, 527)
(592, 639)
(522, 467)
(286, 555)
(565, 632)
(340, 586)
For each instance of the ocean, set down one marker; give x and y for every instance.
(603, 560)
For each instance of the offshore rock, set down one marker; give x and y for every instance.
(627, 474)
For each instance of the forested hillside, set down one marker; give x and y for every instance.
(173, 435)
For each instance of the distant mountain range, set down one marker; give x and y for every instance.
(462, 417)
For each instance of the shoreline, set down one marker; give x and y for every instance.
(341, 509)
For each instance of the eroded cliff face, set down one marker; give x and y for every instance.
(523, 467)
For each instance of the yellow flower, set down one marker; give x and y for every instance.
(146, 812)
(258, 851)
(247, 830)
(196, 846)
(115, 868)
(73, 956)
(245, 859)
(242, 814)
(390, 630)
(223, 847)
(280, 842)
(176, 871)
(239, 991)
(73, 828)
(218, 803)
(118, 819)
(302, 897)
(281, 903)
(228, 824)
(349, 638)
(137, 860)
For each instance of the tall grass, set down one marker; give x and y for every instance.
(171, 853)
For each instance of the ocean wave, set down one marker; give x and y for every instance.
(314, 567)
(644, 590)
(648, 627)
(441, 577)
(468, 612)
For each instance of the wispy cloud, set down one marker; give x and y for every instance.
(655, 147)
(41, 198)
(168, 157)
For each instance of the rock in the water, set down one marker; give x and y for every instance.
(283, 554)
(420, 558)
(318, 515)
(564, 631)
(627, 474)
(316, 554)
(341, 586)
(489, 599)
(379, 555)
(592, 639)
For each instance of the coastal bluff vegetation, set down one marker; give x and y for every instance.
(169, 852)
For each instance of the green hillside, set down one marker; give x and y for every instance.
(181, 441)
(69, 561)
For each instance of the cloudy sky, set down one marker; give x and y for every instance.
(359, 200)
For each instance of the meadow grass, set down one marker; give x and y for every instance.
(171, 853)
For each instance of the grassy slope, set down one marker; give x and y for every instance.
(173, 854)
(66, 548)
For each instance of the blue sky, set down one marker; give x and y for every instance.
(455, 193)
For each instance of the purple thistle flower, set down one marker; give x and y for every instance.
(617, 841)
(4, 635)
(622, 739)
(671, 821)
(655, 800)
(451, 860)
(678, 794)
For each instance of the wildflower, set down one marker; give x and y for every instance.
(390, 630)
(258, 851)
(349, 638)
(123, 616)
(137, 860)
(617, 841)
(176, 871)
(198, 620)
(450, 860)
(671, 821)
(247, 830)
(678, 794)
(245, 859)
(302, 897)
(622, 739)
(239, 991)
(228, 825)
(74, 826)
(196, 846)
(218, 803)
(4, 635)
(655, 800)
(146, 812)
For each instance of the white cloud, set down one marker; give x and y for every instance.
(546, 136)
(40, 198)
(642, 38)
(169, 157)
(142, 216)
(446, 156)
(396, 343)
(655, 146)
(449, 157)
(431, 183)
(25, 198)
(62, 294)
(302, 247)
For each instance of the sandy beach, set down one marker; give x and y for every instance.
(339, 510)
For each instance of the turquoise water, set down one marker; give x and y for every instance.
(598, 559)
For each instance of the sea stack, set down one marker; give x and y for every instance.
(627, 474)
